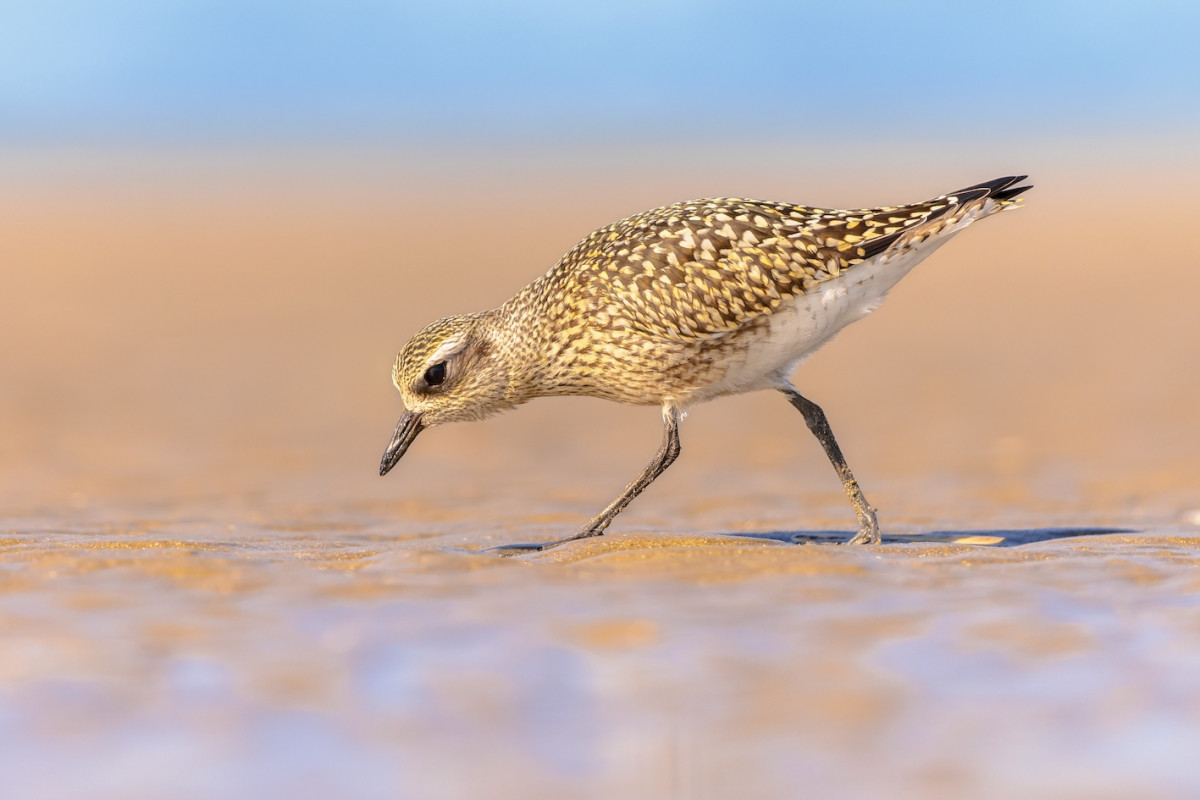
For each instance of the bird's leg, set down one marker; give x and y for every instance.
(814, 417)
(668, 451)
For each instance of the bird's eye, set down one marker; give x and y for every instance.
(436, 374)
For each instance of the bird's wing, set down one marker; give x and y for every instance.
(708, 267)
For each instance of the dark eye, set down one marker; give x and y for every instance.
(436, 374)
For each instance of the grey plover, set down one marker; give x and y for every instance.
(679, 305)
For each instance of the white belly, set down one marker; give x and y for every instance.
(802, 324)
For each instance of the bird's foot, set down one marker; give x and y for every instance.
(869, 532)
(506, 550)
(537, 547)
(866, 536)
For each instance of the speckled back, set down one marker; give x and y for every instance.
(705, 267)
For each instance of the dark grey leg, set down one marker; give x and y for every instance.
(814, 417)
(668, 451)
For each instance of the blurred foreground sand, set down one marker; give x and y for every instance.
(204, 576)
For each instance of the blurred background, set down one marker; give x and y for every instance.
(222, 219)
(219, 221)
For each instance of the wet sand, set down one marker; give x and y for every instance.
(205, 589)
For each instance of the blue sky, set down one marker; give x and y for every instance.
(357, 70)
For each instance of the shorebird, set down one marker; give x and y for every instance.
(679, 305)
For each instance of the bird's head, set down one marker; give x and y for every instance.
(452, 371)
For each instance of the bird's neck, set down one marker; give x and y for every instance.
(532, 345)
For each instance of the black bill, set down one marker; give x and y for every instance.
(406, 430)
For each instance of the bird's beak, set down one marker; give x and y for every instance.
(406, 430)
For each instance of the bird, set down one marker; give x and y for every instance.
(679, 305)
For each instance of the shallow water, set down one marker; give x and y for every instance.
(205, 591)
(329, 657)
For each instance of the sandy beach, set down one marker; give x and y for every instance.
(202, 575)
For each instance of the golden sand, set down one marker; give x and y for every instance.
(202, 574)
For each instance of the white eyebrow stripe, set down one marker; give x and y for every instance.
(449, 347)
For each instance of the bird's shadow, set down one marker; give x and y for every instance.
(1005, 537)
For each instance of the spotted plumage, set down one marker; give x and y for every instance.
(678, 305)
